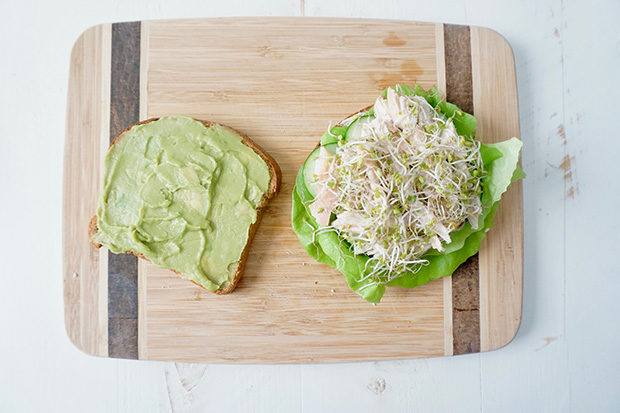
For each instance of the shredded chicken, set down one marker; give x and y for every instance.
(401, 186)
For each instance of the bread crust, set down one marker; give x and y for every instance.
(274, 187)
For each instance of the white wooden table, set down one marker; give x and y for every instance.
(566, 355)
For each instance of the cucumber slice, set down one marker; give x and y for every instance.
(308, 173)
(331, 148)
(355, 129)
(333, 135)
(309, 180)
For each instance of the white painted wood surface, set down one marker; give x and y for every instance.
(565, 356)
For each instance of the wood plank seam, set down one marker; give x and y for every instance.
(103, 139)
(465, 292)
(447, 281)
(142, 264)
(123, 268)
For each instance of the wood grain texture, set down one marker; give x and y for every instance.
(458, 66)
(466, 307)
(281, 81)
(465, 291)
(124, 112)
(287, 308)
(84, 272)
(501, 281)
(447, 281)
(143, 265)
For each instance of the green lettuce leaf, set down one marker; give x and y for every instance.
(501, 167)
(304, 224)
(328, 247)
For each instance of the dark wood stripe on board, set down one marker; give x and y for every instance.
(465, 280)
(123, 268)
(466, 308)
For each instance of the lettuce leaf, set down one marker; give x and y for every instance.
(501, 167)
(305, 225)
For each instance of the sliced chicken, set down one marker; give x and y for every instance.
(353, 222)
(325, 201)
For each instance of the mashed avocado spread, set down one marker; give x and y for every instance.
(183, 195)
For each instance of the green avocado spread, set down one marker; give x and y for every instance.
(183, 195)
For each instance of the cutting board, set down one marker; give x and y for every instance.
(281, 81)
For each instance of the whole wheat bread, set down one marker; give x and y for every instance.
(272, 191)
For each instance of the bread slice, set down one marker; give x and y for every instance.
(272, 191)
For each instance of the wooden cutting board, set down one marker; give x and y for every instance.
(281, 81)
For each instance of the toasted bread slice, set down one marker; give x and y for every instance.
(272, 191)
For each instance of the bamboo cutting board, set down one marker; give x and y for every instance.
(281, 81)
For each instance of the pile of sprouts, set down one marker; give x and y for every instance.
(403, 184)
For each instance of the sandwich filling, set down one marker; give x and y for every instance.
(183, 195)
(398, 184)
